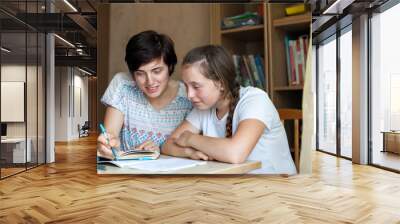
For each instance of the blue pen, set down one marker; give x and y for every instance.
(104, 132)
(145, 158)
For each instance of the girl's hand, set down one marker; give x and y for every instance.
(184, 139)
(104, 149)
(197, 155)
(148, 145)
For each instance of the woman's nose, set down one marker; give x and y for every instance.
(149, 79)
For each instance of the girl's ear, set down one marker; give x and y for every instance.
(220, 86)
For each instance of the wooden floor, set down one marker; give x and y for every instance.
(386, 159)
(5, 172)
(70, 191)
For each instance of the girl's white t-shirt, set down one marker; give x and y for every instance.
(272, 148)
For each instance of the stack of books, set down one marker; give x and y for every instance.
(245, 19)
(250, 70)
(296, 55)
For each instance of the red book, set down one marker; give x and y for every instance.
(299, 62)
(292, 63)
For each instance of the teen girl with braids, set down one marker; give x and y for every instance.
(229, 123)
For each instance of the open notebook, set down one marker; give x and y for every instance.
(158, 165)
(134, 154)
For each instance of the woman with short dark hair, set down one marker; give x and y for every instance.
(147, 46)
(145, 106)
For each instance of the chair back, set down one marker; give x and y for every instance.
(86, 125)
(296, 116)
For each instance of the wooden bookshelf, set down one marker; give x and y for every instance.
(296, 22)
(280, 25)
(243, 29)
(241, 40)
(266, 39)
(288, 88)
(246, 33)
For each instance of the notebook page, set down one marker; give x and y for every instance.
(122, 163)
(166, 164)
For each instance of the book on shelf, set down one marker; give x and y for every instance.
(290, 61)
(305, 45)
(244, 19)
(244, 77)
(254, 72)
(250, 70)
(298, 61)
(260, 69)
(245, 64)
(237, 68)
(288, 55)
(296, 55)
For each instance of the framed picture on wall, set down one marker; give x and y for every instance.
(12, 101)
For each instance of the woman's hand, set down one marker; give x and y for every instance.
(104, 149)
(184, 139)
(148, 145)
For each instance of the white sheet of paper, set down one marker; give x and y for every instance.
(165, 164)
(123, 163)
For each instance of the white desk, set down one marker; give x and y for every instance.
(211, 167)
(18, 149)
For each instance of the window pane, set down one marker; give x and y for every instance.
(327, 96)
(31, 99)
(385, 84)
(345, 94)
(23, 84)
(14, 147)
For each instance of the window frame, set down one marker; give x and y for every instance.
(27, 30)
(381, 9)
(333, 37)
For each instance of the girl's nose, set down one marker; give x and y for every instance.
(190, 92)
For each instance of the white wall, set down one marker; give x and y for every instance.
(67, 115)
(12, 101)
(33, 126)
(80, 83)
(16, 73)
(62, 81)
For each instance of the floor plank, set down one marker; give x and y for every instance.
(70, 191)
